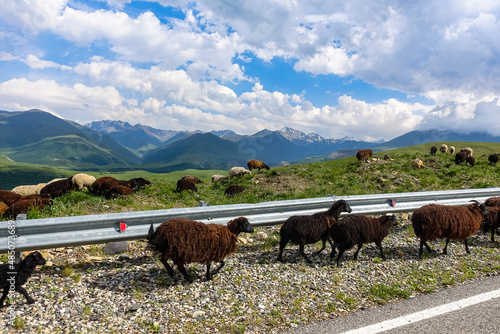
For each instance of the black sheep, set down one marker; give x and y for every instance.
(460, 157)
(303, 230)
(138, 183)
(23, 271)
(493, 158)
(359, 229)
(492, 221)
(433, 150)
(233, 190)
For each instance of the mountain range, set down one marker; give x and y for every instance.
(38, 137)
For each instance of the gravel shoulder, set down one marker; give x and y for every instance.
(81, 290)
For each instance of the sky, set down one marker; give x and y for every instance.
(370, 70)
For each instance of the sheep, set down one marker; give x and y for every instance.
(185, 185)
(451, 150)
(119, 190)
(137, 183)
(233, 190)
(308, 229)
(187, 241)
(102, 186)
(364, 155)
(238, 171)
(29, 189)
(57, 188)
(218, 178)
(433, 150)
(443, 148)
(18, 276)
(359, 229)
(82, 180)
(418, 163)
(470, 160)
(468, 150)
(193, 179)
(9, 197)
(386, 157)
(3, 207)
(460, 157)
(455, 222)
(493, 158)
(27, 203)
(257, 164)
(492, 221)
(492, 201)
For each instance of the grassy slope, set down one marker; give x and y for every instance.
(336, 177)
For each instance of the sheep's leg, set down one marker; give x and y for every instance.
(357, 251)
(324, 246)
(219, 267)
(4, 295)
(445, 249)
(168, 267)
(466, 247)
(23, 291)
(303, 254)
(332, 254)
(283, 243)
(493, 235)
(208, 275)
(379, 245)
(184, 273)
(341, 252)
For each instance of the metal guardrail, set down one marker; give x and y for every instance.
(36, 234)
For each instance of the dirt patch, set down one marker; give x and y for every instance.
(282, 183)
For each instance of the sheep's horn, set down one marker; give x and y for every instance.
(473, 200)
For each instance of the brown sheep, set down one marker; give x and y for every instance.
(470, 160)
(304, 229)
(492, 221)
(26, 204)
(492, 201)
(57, 188)
(187, 241)
(3, 207)
(364, 155)
(257, 164)
(120, 190)
(457, 222)
(193, 179)
(103, 185)
(9, 197)
(357, 230)
(185, 185)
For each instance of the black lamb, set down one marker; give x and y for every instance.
(310, 229)
(19, 274)
(358, 230)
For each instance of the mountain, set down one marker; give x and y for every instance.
(39, 137)
(198, 151)
(140, 138)
(418, 137)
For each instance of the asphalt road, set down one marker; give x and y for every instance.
(470, 308)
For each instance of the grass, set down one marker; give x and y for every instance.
(336, 177)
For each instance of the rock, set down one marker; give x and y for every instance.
(242, 240)
(198, 314)
(261, 236)
(115, 247)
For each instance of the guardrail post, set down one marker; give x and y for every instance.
(19, 255)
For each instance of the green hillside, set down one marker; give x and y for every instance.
(335, 177)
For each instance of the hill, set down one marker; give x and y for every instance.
(39, 137)
(437, 136)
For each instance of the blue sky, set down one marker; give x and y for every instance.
(370, 70)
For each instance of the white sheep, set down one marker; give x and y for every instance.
(29, 189)
(452, 149)
(82, 180)
(238, 171)
(418, 163)
(443, 148)
(218, 177)
(468, 150)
